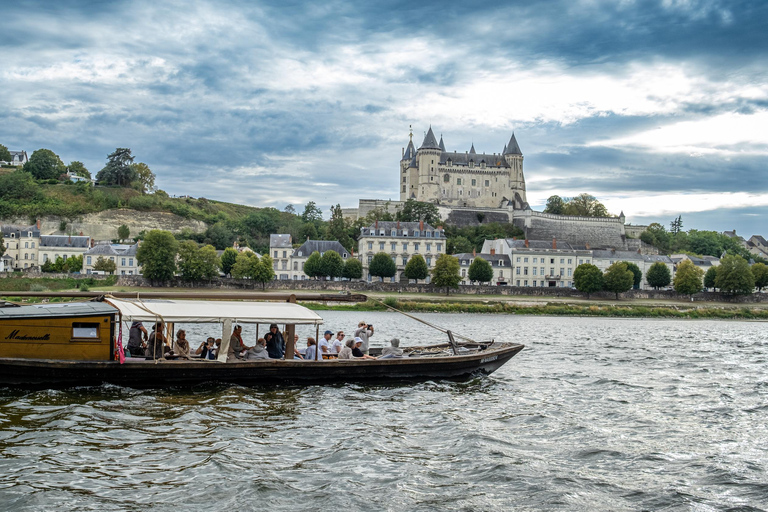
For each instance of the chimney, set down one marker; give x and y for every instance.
(554, 243)
(69, 240)
(38, 224)
(398, 224)
(92, 242)
(376, 225)
(586, 246)
(403, 152)
(81, 233)
(421, 225)
(493, 251)
(526, 242)
(473, 252)
(514, 238)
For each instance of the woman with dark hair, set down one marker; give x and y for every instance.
(275, 343)
(156, 342)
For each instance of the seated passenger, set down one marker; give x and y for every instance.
(257, 352)
(204, 347)
(392, 351)
(213, 353)
(181, 348)
(275, 342)
(236, 345)
(296, 353)
(311, 352)
(338, 343)
(155, 342)
(357, 353)
(346, 352)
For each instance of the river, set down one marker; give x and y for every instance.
(595, 414)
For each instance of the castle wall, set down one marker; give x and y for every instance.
(595, 231)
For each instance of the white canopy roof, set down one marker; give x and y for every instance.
(213, 311)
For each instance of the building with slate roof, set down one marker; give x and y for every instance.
(470, 179)
(61, 246)
(21, 244)
(500, 263)
(123, 255)
(18, 158)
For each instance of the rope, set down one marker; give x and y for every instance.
(438, 328)
(139, 304)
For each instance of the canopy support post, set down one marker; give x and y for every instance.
(317, 343)
(290, 344)
(226, 332)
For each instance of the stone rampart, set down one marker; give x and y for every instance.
(595, 231)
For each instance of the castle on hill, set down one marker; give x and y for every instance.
(470, 179)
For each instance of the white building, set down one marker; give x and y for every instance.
(123, 255)
(604, 258)
(61, 246)
(500, 263)
(18, 158)
(22, 244)
(280, 249)
(400, 240)
(300, 255)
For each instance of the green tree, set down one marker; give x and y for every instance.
(585, 205)
(78, 169)
(119, 170)
(338, 228)
(353, 269)
(480, 271)
(19, 186)
(313, 267)
(734, 275)
(656, 235)
(44, 164)
(331, 265)
(197, 263)
(382, 266)
(636, 272)
(308, 232)
(618, 278)
(555, 205)
(2, 245)
(157, 255)
(143, 177)
(415, 211)
(676, 225)
(5, 155)
(245, 265)
(123, 232)
(759, 271)
(445, 274)
(588, 279)
(74, 264)
(459, 244)
(658, 275)
(219, 236)
(416, 268)
(103, 265)
(312, 213)
(263, 271)
(710, 278)
(228, 259)
(708, 243)
(687, 278)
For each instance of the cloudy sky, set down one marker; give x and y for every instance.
(659, 108)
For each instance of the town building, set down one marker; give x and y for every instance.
(300, 255)
(401, 241)
(500, 263)
(18, 158)
(470, 179)
(604, 258)
(21, 244)
(61, 246)
(703, 262)
(123, 255)
(280, 249)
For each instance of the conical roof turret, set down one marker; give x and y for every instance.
(472, 150)
(410, 151)
(429, 141)
(442, 146)
(512, 148)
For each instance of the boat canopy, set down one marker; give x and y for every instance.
(213, 311)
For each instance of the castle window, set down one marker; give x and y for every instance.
(458, 181)
(474, 182)
(403, 179)
(403, 188)
(446, 178)
(487, 183)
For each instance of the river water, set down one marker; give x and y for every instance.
(595, 414)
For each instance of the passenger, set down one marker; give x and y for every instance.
(346, 352)
(181, 348)
(338, 343)
(296, 353)
(155, 342)
(364, 331)
(325, 343)
(275, 342)
(257, 352)
(213, 353)
(204, 347)
(311, 352)
(236, 345)
(137, 339)
(393, 351)
(357, 351)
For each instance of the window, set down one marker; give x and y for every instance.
(429, 260)
(487, 183)
(542, 270)
(562, 271)
(562, 261)
(403, 179)
(26, 256)
(570, 272)
(534, 272)
(518, 259)
(33, 245)
(551, 271)
(517, 271)
(122, 262)
(525, 283)
(474, 182)
(370, 246)
(405, 246)
(581, 261)
(405, 260)
(130, 262)
(535, 260)
(275, 254)
(26, 245)
(525, 260)
(394, 232)
(274, 264)
(552, 261)
(122, 272)
(458, 181)
(295, 266)
(369, 259)
(429, 247)
(285, 254)
(416, 247)
(393, 246)
(381, 246)
(87, 259)
(439, 247)
(570, 261)
(534, 283)
(403, 188)
(85, 331)
(285, 265)
(517, 283)
(525, 271)
(463, 272)
(446, 179)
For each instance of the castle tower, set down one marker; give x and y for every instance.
(514, 158)
(428, 159)
(408, 170)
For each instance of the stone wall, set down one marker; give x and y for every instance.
(595, 231)
(474, 217)
(363, 287)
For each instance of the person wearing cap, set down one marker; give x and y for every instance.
(357, 352)
(393, 351)
(337, 343)
(137, 339)
(325, 344)
(364, 331)
(346, 351)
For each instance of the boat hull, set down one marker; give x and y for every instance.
(139, 373)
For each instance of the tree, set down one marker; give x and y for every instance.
(687, 278)
(5, 155)
(123, 232)
(338, 228)
(676, 225)
(74, 264)
(416, 268)
(658, 275)
(78, 169)
(331, 264)
(118, 170)
(459, 244)
(382, 266)
(157, 255)
(103, 265)
(734, 276)
(44, 164)
(353, 269)
(585, 205)
(588, 279)
(656, 235)
(312, 213)
(480, 270)
(446, 273)
(244, 265)
(197, 263)
(636, 272)
(2, 245)
(143, 177)
(228, 259)
(415, 211)
(289, 209)
(263, 271)
(710, 278)
(618, 278)
(759, 271)
(555, 205)
(313, 267)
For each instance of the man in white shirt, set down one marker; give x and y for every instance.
(325, 344)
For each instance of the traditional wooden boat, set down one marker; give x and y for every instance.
(79, 344)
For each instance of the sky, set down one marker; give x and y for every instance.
(658, 108)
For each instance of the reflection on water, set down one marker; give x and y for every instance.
(595, 414)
